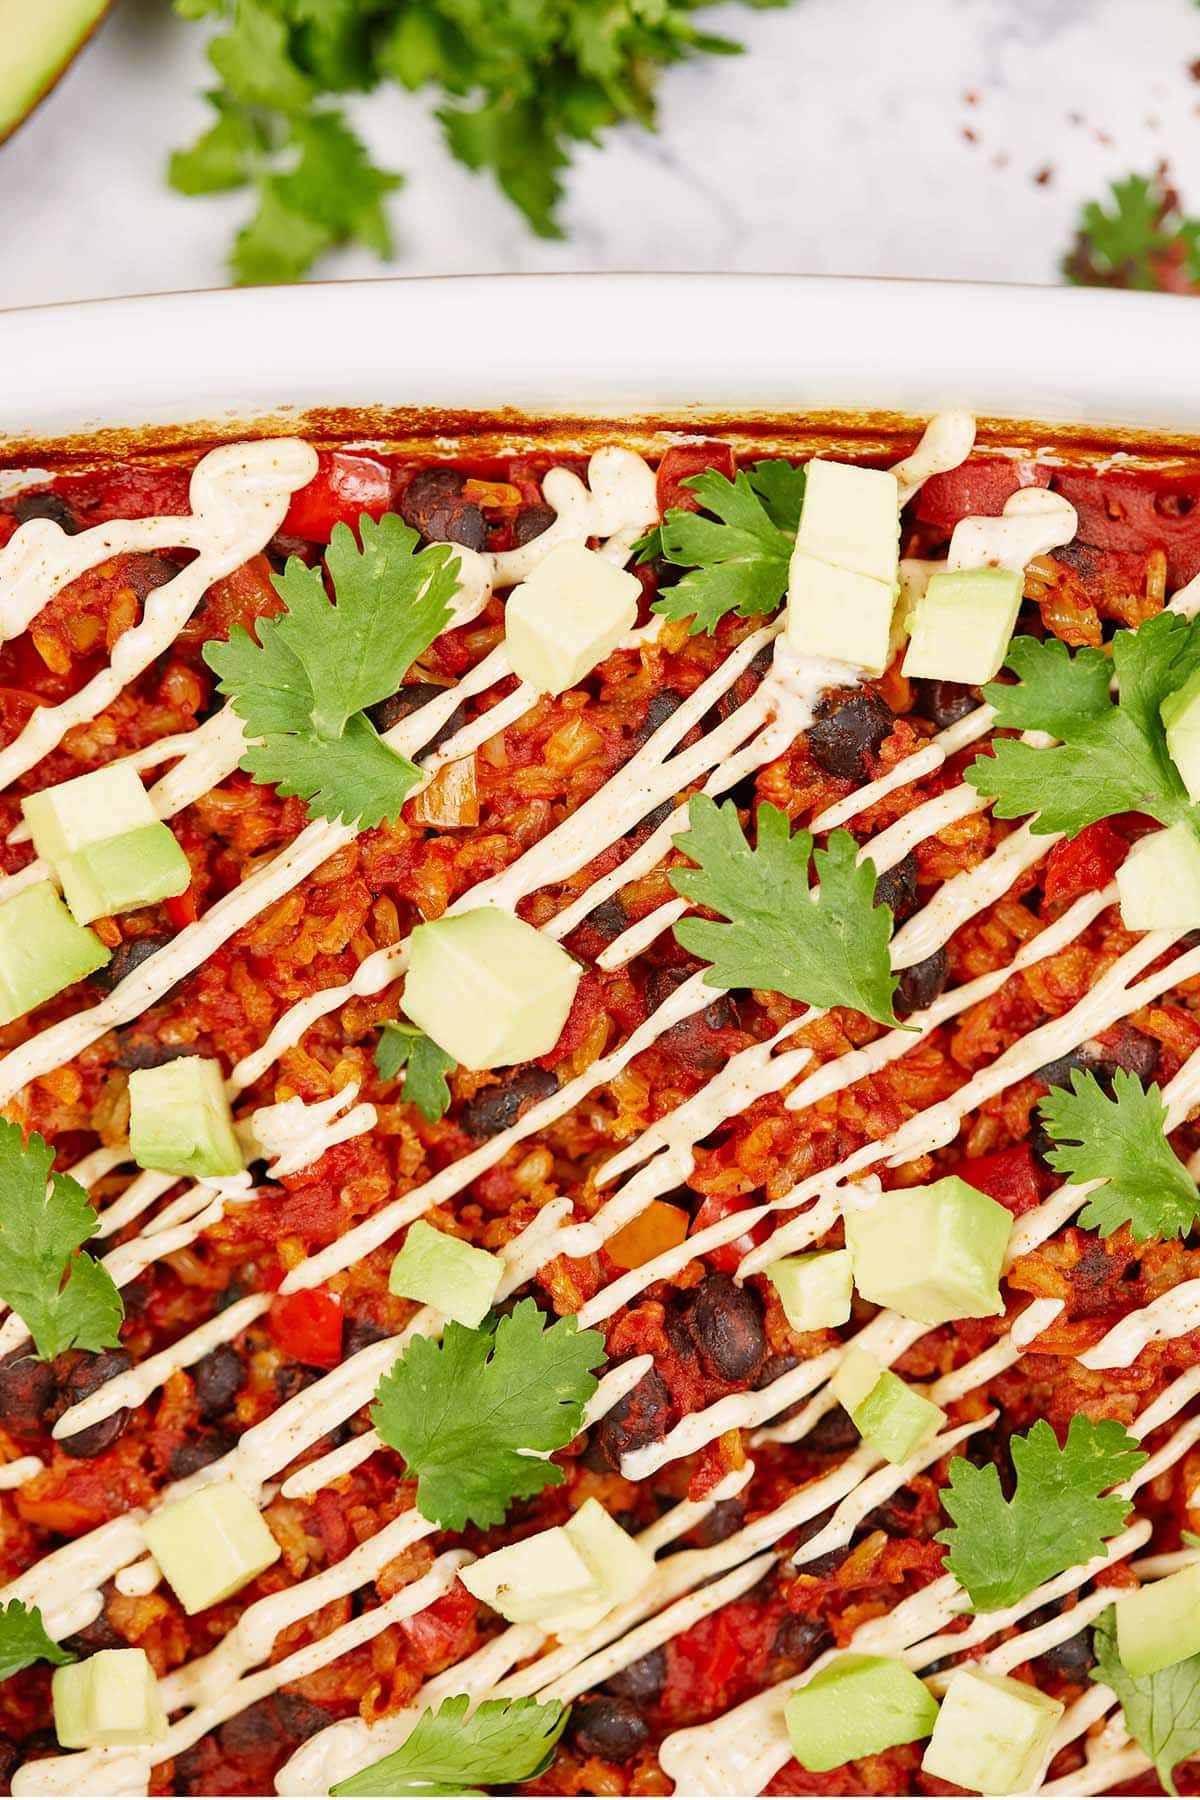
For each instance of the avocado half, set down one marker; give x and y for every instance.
(38, 38)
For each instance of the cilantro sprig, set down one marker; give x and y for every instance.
(1162, 1711)
(464, 1413)
(828, 949)
(1059, 1515)
(502, 1742)
(1138, 237)
(425, 1064)
(738, 558)
(24, 1640)
(1120, 1141)
(1113, 755)
(65, 1300)
(302, 689)
(519, 85)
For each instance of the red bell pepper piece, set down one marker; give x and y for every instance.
(1009, 1176)
(1085, 863)
(682, 460)
(727, 1256)
(441, 1631)
(978, 489)
(182, 909)
(346, 485)
(308, 1326)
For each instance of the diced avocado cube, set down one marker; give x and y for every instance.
(992, 1734)
(105, 804)
(932, 1253)
(487, 987)
(42, 950)
(815, 1289)
(457, 1278)
(961, 626)
(568, 616)
(1180, 713)
(541, 1576)
(857, 1706)
(180, 1120)
(1159, 1624)
(210, 1544)
(119, 873)
(837, 613)
(1159, 881)
(108, 1700)
(851, 518)
(893, 1419)
(619, 1564)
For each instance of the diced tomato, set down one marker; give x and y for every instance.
(727, 1256)
(976, 489)
(1009, 1176)
(1084, 863)
(346, 485)
(441, 1630)
(589, 996)
(704, 1659)
(308, 1326)
(682, 460)
(182, 909)
(1127, 510)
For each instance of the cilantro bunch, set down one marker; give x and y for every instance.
(1138, 237)
(520, 82)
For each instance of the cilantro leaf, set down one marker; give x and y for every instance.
(222, 157)
(502, 1742)
(300, 689)
(1121, 1142)
(24, 1640)
(1162, 1711)
(1113, 757)
(829, 949)
(463, 1413)
(333, 195)
(426, 1066)
(739, 559)
(65, 1301)
(253, 57)
(1059, 1514)
(1140, 239)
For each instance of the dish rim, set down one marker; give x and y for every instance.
(595, 347)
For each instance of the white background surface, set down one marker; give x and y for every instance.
(838, 144)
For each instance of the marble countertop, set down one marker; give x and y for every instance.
(934, 138)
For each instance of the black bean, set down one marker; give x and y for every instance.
(530, 523)
(254, 1729)
(1136, 1051)
(28, 1391)
(662, 704)
(408, 700)
(10, 1761)
(45, 506)
(653, 819)
(727, 1322)
(772, 1370)
(197, 1452)
(146, 573)
(125, 959)
(1088, 1057)
(833, 1431)
(433, 503)
(495, 1109)
(609, 1726)
(357, 1334)
(662, 983)
(897, 888)
(944, 703)
(844, 734)
(721, 1521)
(608, 920)
(641, 1680)
(88, 1374)
(136, 1052)
(217, 1378)
(298, 1717)
(800, 1638)
(291, 1378)
(99, 1634)
(920, 985)
(637, 1420)
(1072, 1660)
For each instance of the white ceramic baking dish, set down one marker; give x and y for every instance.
(601, 346)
